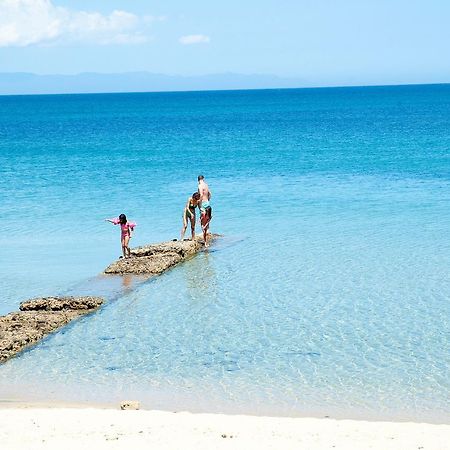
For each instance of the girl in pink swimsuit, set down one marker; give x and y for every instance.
(126, 229)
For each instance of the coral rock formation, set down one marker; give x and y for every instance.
(39, 317)
(157, 258)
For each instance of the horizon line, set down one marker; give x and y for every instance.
(225, 89)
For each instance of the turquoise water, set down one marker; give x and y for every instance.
(327, 295)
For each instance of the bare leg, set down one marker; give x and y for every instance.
(127, 252)
(122, 243)
(205, 226)
(193, 227)
(205, 234)
(183, 228)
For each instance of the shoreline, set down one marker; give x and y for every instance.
(20, 404)
(74, 427)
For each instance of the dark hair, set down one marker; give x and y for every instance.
(123, 219)
(208, 212)
(196, 195)
(200, 177)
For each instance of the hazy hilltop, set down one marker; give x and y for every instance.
(29, 83)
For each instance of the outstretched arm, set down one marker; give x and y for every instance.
(113, 221)
(131, 226)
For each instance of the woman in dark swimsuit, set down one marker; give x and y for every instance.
(189, 214)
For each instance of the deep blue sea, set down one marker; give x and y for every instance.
(328, 293)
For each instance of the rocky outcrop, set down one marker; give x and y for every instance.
(39, 317)
(157, 258)
(72, 304)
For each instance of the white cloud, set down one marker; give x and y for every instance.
(28, 22)
(194, 39)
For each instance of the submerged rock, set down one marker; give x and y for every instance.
(156, 258)
(39, 317)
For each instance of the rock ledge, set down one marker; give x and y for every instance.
(39, 317)
(157, 258)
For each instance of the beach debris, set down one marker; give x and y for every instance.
(129, 405)
(156, 258)
(39, 317)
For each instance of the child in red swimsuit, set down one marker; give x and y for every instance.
(205, 219)
(126, 229)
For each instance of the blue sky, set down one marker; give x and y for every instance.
(325, 42)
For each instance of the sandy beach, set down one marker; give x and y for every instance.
(76, 428)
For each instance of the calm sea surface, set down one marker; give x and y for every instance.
(327, 295)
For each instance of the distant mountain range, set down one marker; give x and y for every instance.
(29, 83)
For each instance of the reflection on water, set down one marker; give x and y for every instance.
(200, 277)
(127, 281)
(108, 286)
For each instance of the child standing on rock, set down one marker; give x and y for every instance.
(126, 233)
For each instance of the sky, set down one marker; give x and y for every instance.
(325, 42)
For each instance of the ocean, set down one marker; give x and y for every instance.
(327, 295)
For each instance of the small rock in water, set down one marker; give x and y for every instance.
(129, 404)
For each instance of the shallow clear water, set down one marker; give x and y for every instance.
(327, 295)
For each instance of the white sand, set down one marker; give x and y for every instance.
(75, 428)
